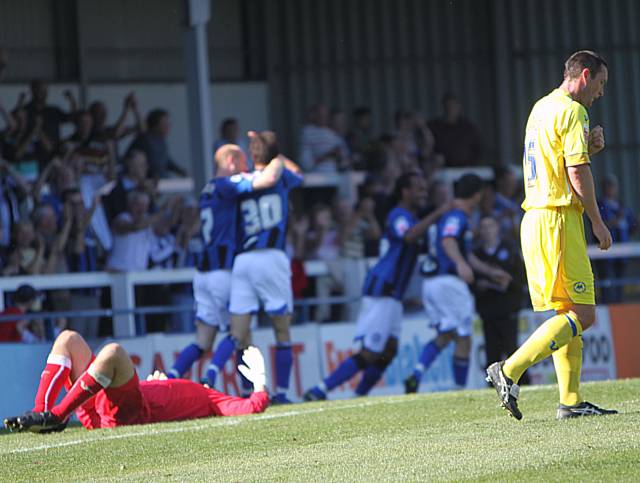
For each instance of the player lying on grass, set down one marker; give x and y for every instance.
(104, 391)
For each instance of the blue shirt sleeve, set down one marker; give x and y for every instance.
(235, 185)
(291, 179)
(398, 225)
(452, 225)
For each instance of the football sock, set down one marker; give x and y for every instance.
(370, 377)
(52, 380)
(246, 386)
(284, 363)
(460, 370)
(185, 360)
(221, 355)
(553, 334)
(343, 372)
(568, 364)
(86, 387)
(429, 354)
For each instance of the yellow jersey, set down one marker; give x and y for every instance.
(555, 138)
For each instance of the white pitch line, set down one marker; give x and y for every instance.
(215, 423)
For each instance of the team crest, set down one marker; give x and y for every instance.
(579, 287)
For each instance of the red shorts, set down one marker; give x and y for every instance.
(116, 406)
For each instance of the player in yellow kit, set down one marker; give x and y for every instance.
(559, 188)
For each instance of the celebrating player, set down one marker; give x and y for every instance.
(445, 290)
(261, 274)
(379, 322)
(559, 187)
(212, 281)
(104, 391)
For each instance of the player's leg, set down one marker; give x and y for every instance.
(68, 353)
(205, 335)
(284, 355)
(373, 328)
(430, 352)
(374, 371)
(461, 357)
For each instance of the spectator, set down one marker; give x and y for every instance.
(82, 257)
(3, 61)
(457, 138)
(230, 134)
(13, 190)
(296, 249)
(132, 232)
(622, 223)
(27, 145)
(135, 177)
(338, 124)
(50, 118)
(27, 255)
(162, 255)
(358, 227)
(505, 207)
(55, 239)
(26, 299)
(321, 149)
(498, 305)
(153, 142)
(360, 137)
(101, 133)
(323, 243)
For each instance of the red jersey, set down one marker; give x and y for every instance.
(142, 402)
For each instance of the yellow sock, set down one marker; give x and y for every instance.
(568, 364)
(553, 334)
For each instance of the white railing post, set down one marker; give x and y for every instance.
(123, 297)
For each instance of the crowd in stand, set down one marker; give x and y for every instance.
(90, 201)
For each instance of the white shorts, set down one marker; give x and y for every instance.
(449, 304)
(261, 278)
(211, 291)
(379, 319)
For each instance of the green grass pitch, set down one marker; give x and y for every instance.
(443, 436)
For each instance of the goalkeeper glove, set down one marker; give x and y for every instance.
(253, 367)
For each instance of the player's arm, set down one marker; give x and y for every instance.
(581, 181)
(418, 230)
(270, 175)
(451, 249)
(496, 274)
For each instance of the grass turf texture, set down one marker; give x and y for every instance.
(441, 436)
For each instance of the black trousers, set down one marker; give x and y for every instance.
(500, 336)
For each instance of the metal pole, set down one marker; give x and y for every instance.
(198, 92)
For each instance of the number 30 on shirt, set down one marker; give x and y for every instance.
(261, 214)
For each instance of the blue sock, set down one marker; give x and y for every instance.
(222, 354)
(246, 387)
(185, 360)
(370, 378)
(343, 373)
(284, 363)
(460, 370)
(429, 354)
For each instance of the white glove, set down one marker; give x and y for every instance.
(253, 367)
(157, 376)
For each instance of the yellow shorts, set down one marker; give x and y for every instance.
(555, 256)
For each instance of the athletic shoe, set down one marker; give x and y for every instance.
(582, 409)
(507, 390)
(280, 399)
(40, 422)
(314, 394)
(411, 384)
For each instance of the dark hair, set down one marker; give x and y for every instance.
(468, 185)
(226, 124)
(361, 111)
(403, 182)
(264, 147)
(154, 117)
(583, 59)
